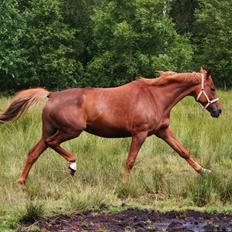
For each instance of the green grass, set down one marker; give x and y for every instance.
(160, 180)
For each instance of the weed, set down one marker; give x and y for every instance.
(33, 212)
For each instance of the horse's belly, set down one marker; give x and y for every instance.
(108, 132)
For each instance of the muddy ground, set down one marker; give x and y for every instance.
(137, 221)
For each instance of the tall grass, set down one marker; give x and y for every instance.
(160, 178)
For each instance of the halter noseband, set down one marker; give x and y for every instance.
(204, 93)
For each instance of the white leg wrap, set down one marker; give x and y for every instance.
(73, 166)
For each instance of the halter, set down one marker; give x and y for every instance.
(204, 93)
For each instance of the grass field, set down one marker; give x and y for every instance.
(160, 180)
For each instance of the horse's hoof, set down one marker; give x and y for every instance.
(73, 168)
(72, 172)
(205, 172)
(21, 181)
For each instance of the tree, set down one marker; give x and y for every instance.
(36, 46)
(182, 12)
(48, 42)
(77, 14)
(12, 60)
(135, 38)
(213, 38)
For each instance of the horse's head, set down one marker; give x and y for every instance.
(205, 93)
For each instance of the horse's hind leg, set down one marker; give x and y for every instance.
(33, 155)
(61, 136)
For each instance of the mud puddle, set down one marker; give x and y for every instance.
(138, 221)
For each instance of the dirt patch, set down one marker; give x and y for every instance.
(138, 221)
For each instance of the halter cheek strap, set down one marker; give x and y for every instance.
(204, 93)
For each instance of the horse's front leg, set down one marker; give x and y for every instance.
(137, 141)
(167, 135)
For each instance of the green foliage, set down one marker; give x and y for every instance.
(213, 36)
(135, 38)
(48, 42)
(12, 30)
(201, 191)
(8, 223)
(182, 13)
(33, 212)
(39, 50)
(59, 44)
(77, 15)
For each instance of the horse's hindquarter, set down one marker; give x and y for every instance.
(119, 112)
(64, 109)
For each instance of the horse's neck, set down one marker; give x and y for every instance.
(170, 94)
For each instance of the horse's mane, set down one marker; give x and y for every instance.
(169, 77)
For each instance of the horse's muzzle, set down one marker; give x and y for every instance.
(215, 113)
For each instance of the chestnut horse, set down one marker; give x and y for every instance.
(138, 109)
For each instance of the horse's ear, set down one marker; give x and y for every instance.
(209, 71)
(202, 70)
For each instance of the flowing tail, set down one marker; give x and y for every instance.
(21, 102)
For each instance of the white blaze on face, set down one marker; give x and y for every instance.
(73, 166)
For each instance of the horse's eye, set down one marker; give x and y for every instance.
(212, 89)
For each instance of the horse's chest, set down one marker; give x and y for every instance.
(158, 123)
(149, 123)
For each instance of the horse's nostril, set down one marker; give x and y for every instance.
(215, 113)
